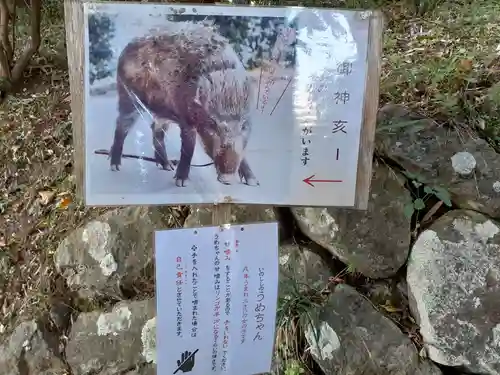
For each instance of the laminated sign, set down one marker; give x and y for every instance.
(217, 290)
(203, 104)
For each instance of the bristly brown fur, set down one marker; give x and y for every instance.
(188, 73)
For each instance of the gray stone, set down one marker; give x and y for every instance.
(429, 368)
(463, 163)
(350, 337)
(143, 370)
(496, 186)
(26, 352)
(374, 242)
(110, 252)
(108, 343)
(426, 150)
(301, 266)
(454, 290)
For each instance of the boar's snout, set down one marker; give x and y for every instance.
(227, 160)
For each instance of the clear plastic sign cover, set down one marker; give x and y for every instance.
(210, 104)
(217, 291)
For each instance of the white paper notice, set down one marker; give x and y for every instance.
(217, 290)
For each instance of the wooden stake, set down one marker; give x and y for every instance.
(74, 22)
(221, 214)
(366, 144)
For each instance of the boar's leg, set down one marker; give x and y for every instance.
(127, 115)
(246, 174)
(188, 141)
(159, 128)
(124, 123)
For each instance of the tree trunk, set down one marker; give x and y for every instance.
(11, 71)
(6, 51)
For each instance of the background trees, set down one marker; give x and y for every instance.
(252, 37)
(101, 32)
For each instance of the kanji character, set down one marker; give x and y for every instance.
(344, 68)
(339, 126)
(342, 97)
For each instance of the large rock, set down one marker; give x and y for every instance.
(375, 242)
(452, 159)
(108, 343)
(110, 253)
(26, 352)
(350, 337)
(300, 266)
(454, 290)
(143, 370)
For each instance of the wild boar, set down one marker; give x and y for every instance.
(189, 74)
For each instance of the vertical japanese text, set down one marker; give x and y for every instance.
(216, 310)
(179, 283)
(194, 281)
(260, 307)
(244, 318)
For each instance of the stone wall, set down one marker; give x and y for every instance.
(410, 286)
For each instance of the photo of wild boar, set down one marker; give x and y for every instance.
(190, 75)
(192, 105)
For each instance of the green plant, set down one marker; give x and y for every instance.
(298, 304)
(419, 202)
(294, 367)
(446, 62)
(426, 6)
(351, 268)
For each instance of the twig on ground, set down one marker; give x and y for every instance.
(147, 158)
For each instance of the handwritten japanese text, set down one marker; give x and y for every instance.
(216, 311)
(244, 319)
(179, 283)
(194, 281)
(260, 307)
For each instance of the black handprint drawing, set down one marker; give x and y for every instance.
(186, 363)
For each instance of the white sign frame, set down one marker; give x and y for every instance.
(287, 183)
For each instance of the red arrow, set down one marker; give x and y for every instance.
(310, 180)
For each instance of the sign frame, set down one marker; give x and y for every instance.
(75, 36)
(218, 222)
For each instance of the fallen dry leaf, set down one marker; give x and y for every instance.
(389, 308)
(64, 203)
(431, 212)
(466, 65)
(46, 196)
